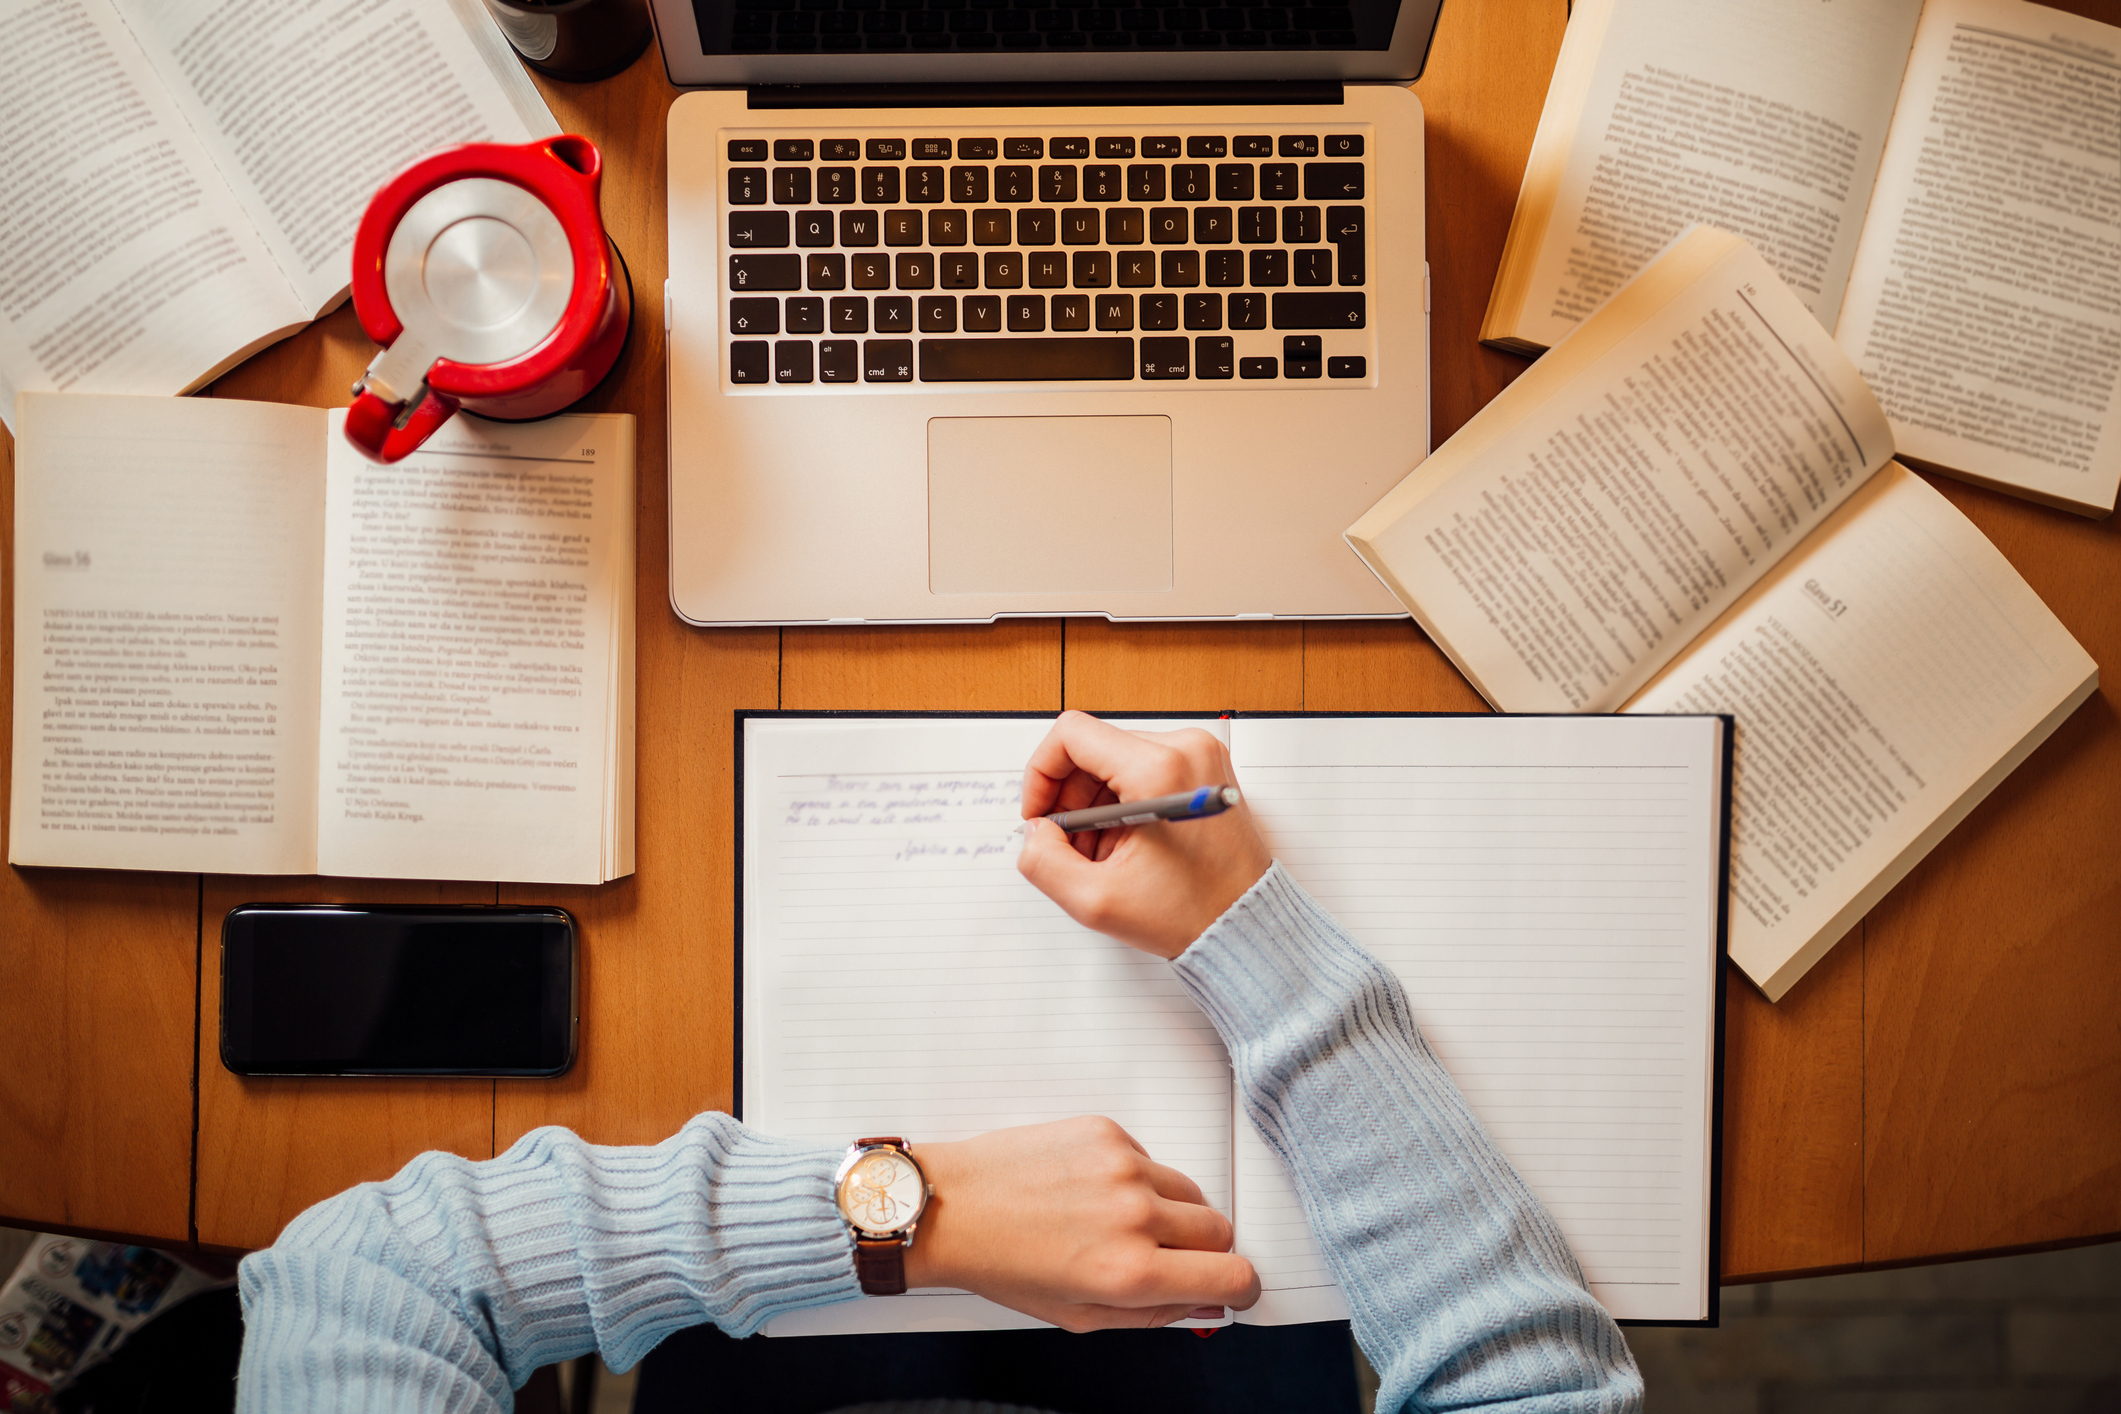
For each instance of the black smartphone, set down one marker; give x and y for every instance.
(356, 989)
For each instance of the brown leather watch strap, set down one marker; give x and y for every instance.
(893, 1141)
(880, 1264)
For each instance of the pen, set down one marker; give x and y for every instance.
(1186, 805)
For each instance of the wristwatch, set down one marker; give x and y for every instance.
(881, 1192)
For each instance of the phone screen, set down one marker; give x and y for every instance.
(324, 989)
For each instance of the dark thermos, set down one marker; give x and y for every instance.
(576, 40)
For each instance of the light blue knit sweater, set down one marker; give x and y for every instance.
(445, 1286)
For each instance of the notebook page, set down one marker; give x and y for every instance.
(1546, 889)
(900, 977)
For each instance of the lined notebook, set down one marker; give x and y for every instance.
(1548, 888)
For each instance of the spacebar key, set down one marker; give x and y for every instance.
(1024, 360)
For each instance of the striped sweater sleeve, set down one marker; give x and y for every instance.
(1463, 1291)
(444, 1287)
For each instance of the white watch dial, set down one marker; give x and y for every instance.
(882, 1193)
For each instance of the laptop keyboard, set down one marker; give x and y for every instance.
(1018, 257)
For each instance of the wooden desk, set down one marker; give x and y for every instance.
(1948, 1081)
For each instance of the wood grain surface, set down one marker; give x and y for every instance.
(1947, 1081)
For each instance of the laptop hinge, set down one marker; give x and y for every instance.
(1312, 92)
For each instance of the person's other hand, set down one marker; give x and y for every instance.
(1074, 1223)
(1154, 887)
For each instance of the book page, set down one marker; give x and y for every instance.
(166, 633)
(1547, 890)
(1884, 680)
(309, 106)
(1598, 514)
(900, 977)
(1763, 119)
(469, 647)
(126, 265)
(1985, 310)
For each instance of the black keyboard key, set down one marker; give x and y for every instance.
(916, 270)
(887, 360)
(1351, 366)
(1256, 225)
(1115, 312)
(765, 272)
(894, 314)
(925, 185)
(806, 315)
(1314, 267)
(755, 230)
(1026, 314)
(931, 149)
(1115, 147)
(1190, 182)
(835, 185)
(1093, 269)
(938, 314)
(1225, 268)
(850, 315)
(747, 186)
(1211, 225)
(1005, 270)
(983, 314)
(977, 149)
(1344, 145)
(1204, 311)
(1320, 310)
(744, 149)
(1257, 368)
(869, 270)
(1068, 148)
(968, 185)
(1124, 225)
(1294, 146)
(893, 149)
(1168, 226)
(1270, 268)
(1046, 269)
(1056, 185)
(1080, 226)
(1344, 227)
(751, 361)
(958, 270)
(840, 149)
(1035, 226)
(839, 361)
(1181, 269)
(1233, 181)
(902, 227)
(792, 149)
(1024, 360)
(1248, 311)
(858, 228)
(1145, 182)
(1159, 311)
(990, 227)
(1213, 358)
(1252, 145)
(828, 272)
(1071, 312)
(947, 227)
(1299, 225)
(1166, 358)
(1018, 149)
(880, 185)
(792, 359)
(1332, 181)
(1277, 181)
(1012, 183)
(1205, 147)
(1161, 147)
(1136, 268)
(755, 316)
(811, 227)
(1101, 183)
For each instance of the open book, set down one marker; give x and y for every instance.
(1937, 183)
(1547, 887)
(1691, 505)
(240, 647)
(186, 176)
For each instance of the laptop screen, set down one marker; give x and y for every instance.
(990, 41)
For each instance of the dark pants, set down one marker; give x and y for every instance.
(1258, 1369)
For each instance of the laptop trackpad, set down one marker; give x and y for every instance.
(1044, 505)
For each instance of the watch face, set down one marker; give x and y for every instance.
(883, 1192)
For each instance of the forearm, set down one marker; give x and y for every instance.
(445, 1286)
(1463, 1290)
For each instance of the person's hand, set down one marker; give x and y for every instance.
(1072, 1222)
(1155, 887)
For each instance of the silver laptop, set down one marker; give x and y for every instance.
(989, 307)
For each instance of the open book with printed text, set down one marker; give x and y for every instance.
(1547, 888)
